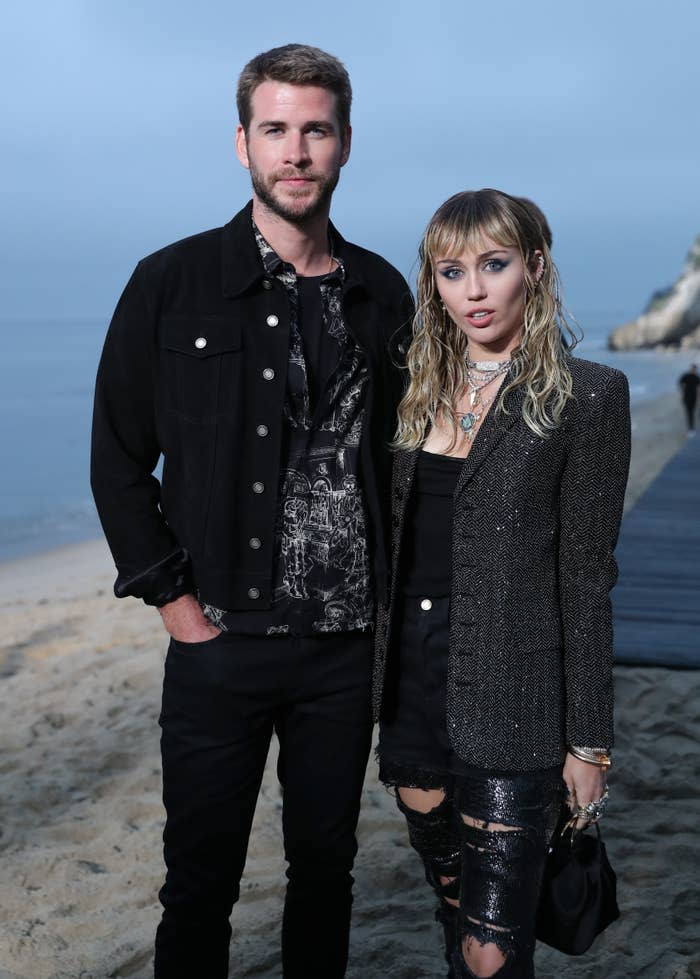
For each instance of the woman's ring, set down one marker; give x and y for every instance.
(592, 811)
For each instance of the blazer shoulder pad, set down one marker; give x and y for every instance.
(590, 376)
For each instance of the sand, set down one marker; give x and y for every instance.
(81, 817)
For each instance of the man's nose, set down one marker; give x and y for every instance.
(296, 149)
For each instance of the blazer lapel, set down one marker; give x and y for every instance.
(494, 427)
(405, 462)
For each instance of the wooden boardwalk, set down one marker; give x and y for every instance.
(656, 603)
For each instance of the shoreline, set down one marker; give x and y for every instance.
(658, 431)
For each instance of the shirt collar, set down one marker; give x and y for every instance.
(274, 265)
(242, 267)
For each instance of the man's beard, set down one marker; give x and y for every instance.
(306, 207)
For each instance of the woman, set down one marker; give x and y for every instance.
(493, 669)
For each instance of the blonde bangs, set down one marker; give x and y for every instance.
(462, 232)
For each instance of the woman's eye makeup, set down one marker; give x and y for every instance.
(490, 265)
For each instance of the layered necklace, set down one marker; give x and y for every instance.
(480, 373)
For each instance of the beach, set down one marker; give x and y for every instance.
(81, 815)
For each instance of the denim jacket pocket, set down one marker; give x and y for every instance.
(201, 361)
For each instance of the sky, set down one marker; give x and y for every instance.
(117, 124)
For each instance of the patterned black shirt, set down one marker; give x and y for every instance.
(322, 574)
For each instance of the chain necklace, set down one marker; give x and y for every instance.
(479, 375)
(487, 366)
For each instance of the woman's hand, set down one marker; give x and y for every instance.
(586, 783)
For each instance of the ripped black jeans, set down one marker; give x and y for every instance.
(484, 845)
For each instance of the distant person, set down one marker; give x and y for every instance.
(255, 358)
(494, 655)
(689, 392)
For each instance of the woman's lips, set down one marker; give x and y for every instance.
(480, 317)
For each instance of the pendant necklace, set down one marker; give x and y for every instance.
(480, 373)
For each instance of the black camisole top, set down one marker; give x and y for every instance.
(427, 548)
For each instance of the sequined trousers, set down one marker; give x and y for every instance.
(484, 845)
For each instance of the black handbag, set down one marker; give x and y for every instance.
(578, 898)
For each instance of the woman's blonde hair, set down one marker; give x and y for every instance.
(437, 357)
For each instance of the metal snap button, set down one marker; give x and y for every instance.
(254, 542)
(262, 431)
(200, 343)
(253, 593)
(268, 374)
(426, 604)
(258, 487)
(272, 320)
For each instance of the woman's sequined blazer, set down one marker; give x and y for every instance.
(534, 529)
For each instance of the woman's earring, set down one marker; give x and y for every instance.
(540, 267)
(443, 307)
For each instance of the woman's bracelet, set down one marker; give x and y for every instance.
(594, 756)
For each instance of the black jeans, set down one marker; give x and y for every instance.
(222, 699)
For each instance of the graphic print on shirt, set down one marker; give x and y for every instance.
(323, 548)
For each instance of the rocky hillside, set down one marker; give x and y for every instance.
(672, 317)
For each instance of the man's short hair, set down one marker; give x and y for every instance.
(296, 64)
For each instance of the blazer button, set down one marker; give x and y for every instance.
(267, 284)
(258, 487)
(253, 593)
(268, 374)
(262, 431)
(255, 543)
(200, 343)
(272, 320)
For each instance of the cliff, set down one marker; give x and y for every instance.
(672, 317)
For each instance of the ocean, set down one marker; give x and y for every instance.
(47, 373)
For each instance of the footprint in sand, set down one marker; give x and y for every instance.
(685, 912)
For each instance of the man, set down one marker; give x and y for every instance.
(257, 359)
(689, 393)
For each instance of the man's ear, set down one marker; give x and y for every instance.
(242, 147)
(345, 152)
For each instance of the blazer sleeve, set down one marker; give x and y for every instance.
(591, 503)
(125, 451)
